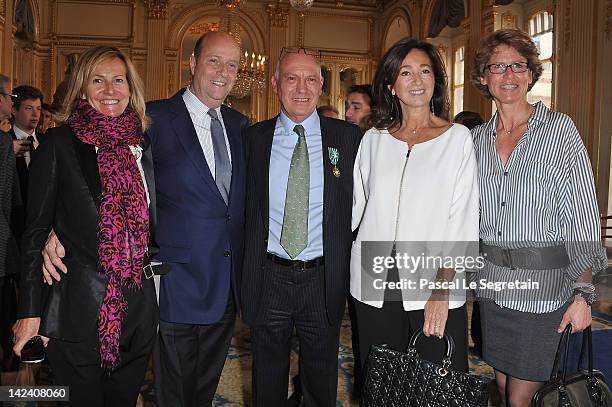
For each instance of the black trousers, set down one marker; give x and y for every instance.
(77, 364)
(393, 326)
(8, 314)
(190, 358)
(294, 299)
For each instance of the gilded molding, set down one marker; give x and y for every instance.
(203, 28)
(277, 14)
(567, 20)
(3, 7)
(301, 25)
(334, 58)
(158, 9)
(608, 23)
(508, 20)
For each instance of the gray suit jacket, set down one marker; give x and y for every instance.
(9, 199)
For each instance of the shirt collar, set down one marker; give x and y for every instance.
(539, 116)
(20, 134)
(194, 104)
(311, 124)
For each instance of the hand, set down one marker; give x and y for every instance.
(20, 147)
(23, 330)
(578, 314)
(436, 313)
(52, 254)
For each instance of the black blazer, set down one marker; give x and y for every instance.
(337, 205)
(64, 194)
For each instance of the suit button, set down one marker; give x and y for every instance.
(227, 253)
(228, 217)
(266, 241)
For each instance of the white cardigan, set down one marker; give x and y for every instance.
(439, 203)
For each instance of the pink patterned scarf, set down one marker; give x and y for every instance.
(123, 229)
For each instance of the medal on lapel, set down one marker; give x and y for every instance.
(334, 156)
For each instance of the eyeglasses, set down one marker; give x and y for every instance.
(500, 68)
(8, 94)
(296, 50)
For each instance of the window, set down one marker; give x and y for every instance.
(540, 28)
(458, 79)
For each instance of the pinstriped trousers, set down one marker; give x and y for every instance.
(294, 299)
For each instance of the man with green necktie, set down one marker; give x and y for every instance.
(298, 235)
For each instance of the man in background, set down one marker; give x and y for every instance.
(328, 111)
(27, 106)
(358, 105)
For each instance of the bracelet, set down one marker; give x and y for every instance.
(589, 297)
(586, 287)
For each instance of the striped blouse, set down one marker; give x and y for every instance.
(545, 195)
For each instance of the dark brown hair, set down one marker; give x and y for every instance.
(516, 39)
(387, 111)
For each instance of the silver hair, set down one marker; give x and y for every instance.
(277, 70)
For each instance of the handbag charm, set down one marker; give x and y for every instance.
(334, 156)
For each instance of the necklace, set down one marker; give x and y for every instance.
(516, 125)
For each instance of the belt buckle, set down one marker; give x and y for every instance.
(148, 271)
(299, 265)
(507, 258)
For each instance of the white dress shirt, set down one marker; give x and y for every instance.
(201, 122)
(23, 135)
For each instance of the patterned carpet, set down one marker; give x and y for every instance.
(235, 386)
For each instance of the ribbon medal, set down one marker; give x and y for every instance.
(334, 156)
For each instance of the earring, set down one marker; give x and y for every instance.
(433, 111)
(393, 92)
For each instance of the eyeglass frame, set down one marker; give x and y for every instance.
(511, 66)
(296, 50)
(8, 94)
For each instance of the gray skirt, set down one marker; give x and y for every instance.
(520, 344)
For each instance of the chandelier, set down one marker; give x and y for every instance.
(231, 5)
(251, 75)
(301, 5)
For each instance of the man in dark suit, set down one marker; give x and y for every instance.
(298, 236)
(26, 114)
(198, 158)
(200, 178)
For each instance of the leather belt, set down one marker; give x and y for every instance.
(151, 269)
(297, 264)
(529, 258)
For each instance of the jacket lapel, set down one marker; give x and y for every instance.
(88, 161)
(149, 173)
(186, 134)
(328, 190)
(263, 148)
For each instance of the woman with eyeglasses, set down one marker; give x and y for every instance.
(539, 222)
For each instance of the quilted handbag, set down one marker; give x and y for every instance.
(585, 388)
(398, 379)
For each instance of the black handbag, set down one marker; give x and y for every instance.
(398, 379)
(585, 388)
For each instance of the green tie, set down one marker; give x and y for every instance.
(294, 236)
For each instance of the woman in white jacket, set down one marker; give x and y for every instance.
(416, 202)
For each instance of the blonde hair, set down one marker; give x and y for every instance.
(85, 65)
